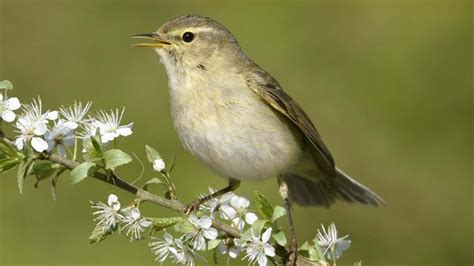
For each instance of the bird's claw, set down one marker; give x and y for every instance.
(192, 207)
(292, 254)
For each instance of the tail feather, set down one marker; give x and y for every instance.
(325, 191)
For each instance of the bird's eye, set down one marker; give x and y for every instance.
(188, 36)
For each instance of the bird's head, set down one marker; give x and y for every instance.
(193, 43)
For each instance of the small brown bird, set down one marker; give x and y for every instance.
(236, 118)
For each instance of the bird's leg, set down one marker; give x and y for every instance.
(194, 206)
(293, 253)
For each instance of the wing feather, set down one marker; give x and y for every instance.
(271, 92)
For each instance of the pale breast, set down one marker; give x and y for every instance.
(234, 132)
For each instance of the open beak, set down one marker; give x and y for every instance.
(158, 42)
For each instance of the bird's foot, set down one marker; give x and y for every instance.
(292, 254)
(193, 207)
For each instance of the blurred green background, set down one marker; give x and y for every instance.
(389, 85)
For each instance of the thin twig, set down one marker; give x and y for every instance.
(139, 193)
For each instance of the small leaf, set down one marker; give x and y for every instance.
(54, 182)
(280, 238)
(212, 244)
(8, 163)
(184, 226)
(152, 154)
(258, 225)
(264, 206)
(154, 180)
(278, 212)
(358, 263)
(305, 247)
(93, 150)
(115, 158)
(20, 175)
(172, 164)
(81, 171)
(45, 169)
(316, 253)
(6, 85)
(98, 234)
(8, 150)
(162, 223)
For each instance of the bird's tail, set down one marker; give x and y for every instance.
(325, 191)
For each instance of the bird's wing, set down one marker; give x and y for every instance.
(272, 93)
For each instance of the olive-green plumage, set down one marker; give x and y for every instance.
(236, 118)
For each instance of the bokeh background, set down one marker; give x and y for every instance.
(388, 83)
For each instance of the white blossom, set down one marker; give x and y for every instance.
(134, 224)
(61, 136)
(230, 247)
(162, 248)
(258, 248)
(238, 213)
(32, 125)
(76, 114)
(183, 254)
(7, 106)
(329, 241)
(159, 165)
(109, 125)
(202, 231)
(108, 215)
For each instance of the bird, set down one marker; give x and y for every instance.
(236, 118)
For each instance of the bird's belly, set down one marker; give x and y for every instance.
(245, 142)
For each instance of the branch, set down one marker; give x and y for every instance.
(138, 192)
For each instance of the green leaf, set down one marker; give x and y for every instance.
(81, 171)
(8, 163)
(115, 158)
(258, 225)
(9, 151)
(305, 247)
(162, 223)
(280, 238)
(172, 164)
(263, 206)
(316, 253)
(152, 154)
(358, 263)
(45, 169)
(184, 226)
(6, 85)
(154, 180)
(93, 149)
(98, 234)
(21, 176)
(278, 212)
(212, 244)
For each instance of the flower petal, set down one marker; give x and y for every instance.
(239, 202)
(39, 144)
(19, 142)
(112, 199)
(269, 250)
(135, 213)
(266, 235)
(125, 130)
(228, 212)
(250, 217)
(158, 165)
(210, 233)
(8, 116)
(39, 128)
(52, 115)
(12, 103)
(205, 222)
(234, 252)
(145, 223)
